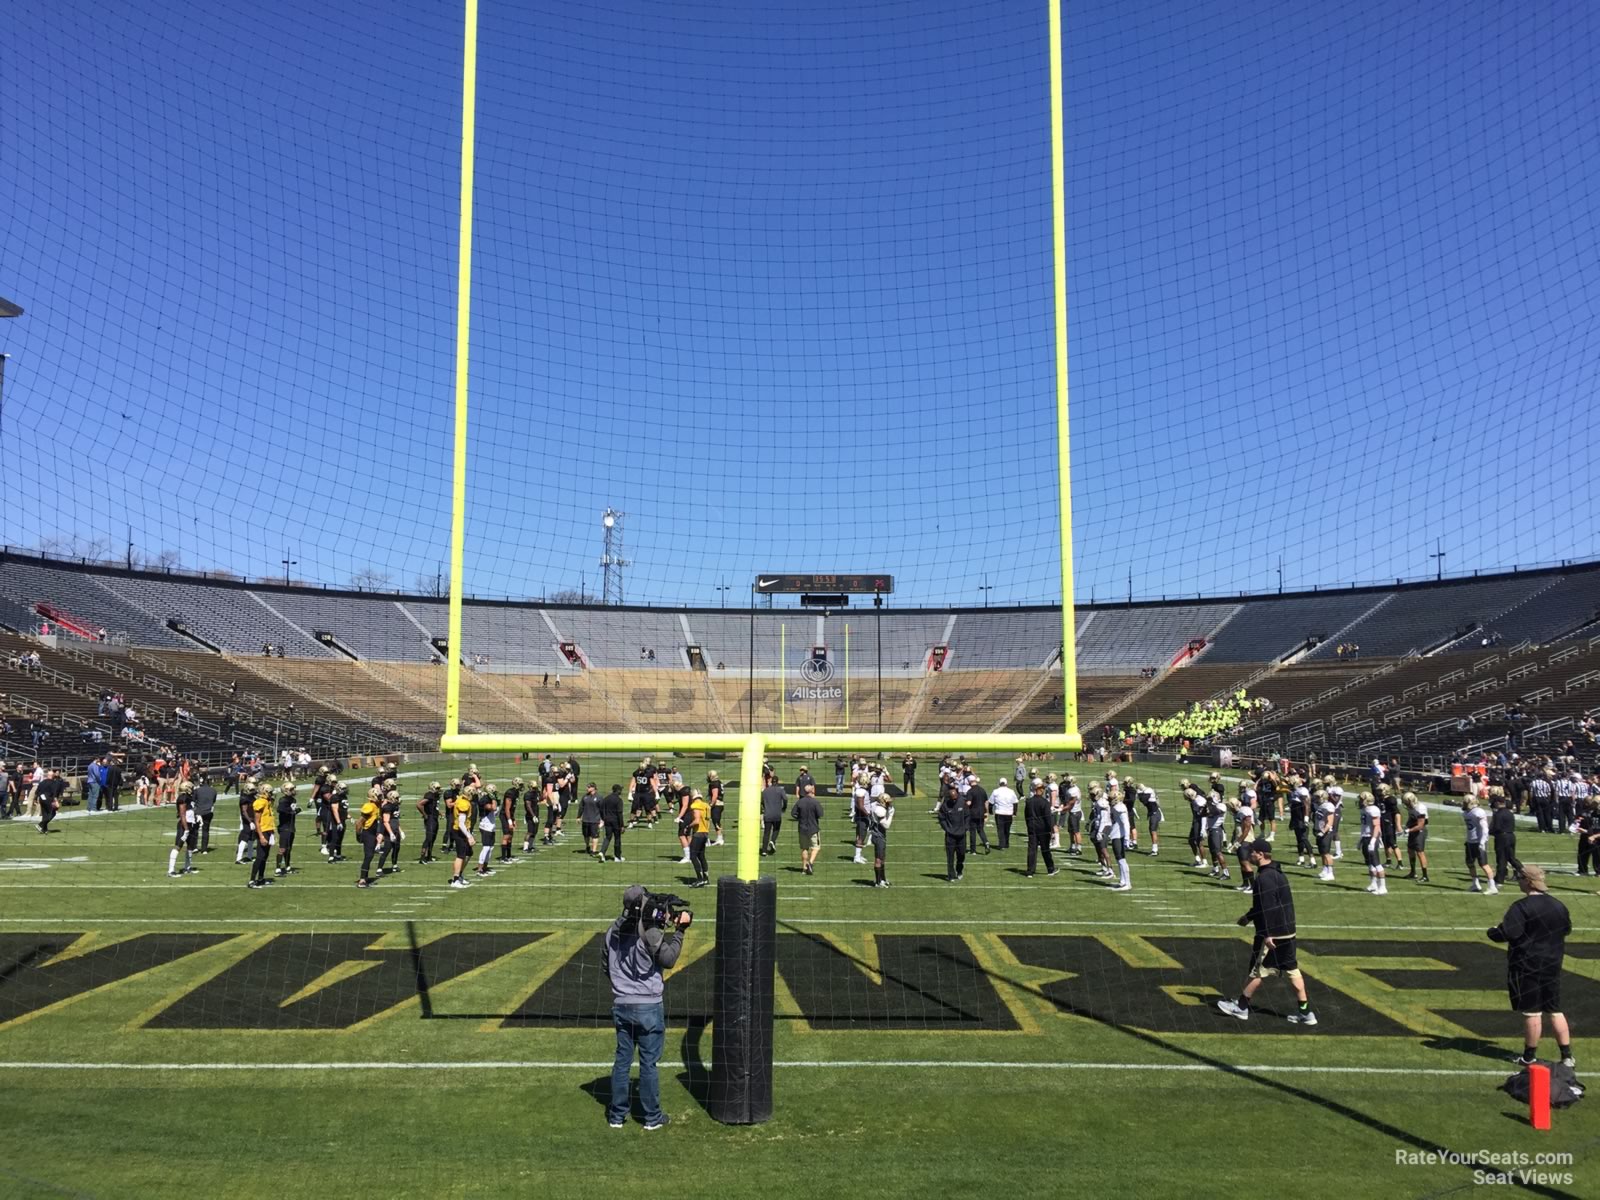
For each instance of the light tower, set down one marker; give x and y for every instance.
(611, 560)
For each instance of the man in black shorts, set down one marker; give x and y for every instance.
(1535, 930)
(1416, 835)
(1272, 913)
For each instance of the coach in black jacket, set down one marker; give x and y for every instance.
(1272, 913)
(1036, 816)
(954, 820)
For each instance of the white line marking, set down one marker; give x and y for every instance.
(840, 1064)
(603, 920)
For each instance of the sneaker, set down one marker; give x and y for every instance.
(615, 1124)
(1057, 871)
(280, 871)
(363, 883)
(1303, 1018)
(660, 1122)
(1522, 1060)
(459, 883)
(172, 874)
(718, 842)
(618, 858)
(881, 883)
(1474, 887)
(255, 884)
(1233, 1009)
(1569, 1064)
(1243, 887)
(324, 851)
(1123, 887)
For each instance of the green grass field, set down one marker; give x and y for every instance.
(161, 1036)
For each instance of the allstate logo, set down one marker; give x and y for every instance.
(816, 670)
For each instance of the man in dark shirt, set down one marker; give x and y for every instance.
(1503, 832)
(50, 793)
(611, 821)
(977, 816)
(204, 801)
(774, 803)
(808, 821)
(953, 819)
(1036, 816)
(1272, 914)
(1535, 931)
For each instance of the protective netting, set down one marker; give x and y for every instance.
(774, 284)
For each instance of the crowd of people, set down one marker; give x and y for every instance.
(1202, 720)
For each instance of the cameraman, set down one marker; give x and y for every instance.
(640, 944)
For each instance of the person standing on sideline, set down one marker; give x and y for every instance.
(808, 822)
(1503, 829)
(589, 818)
(428, 806)
(908, 774)
(634, 954)
(953, 820)
(1372, 844)
(774, 803)
(1037, 820)
(1535, 931)
(1117, 838)
(1003, 801)
(1152, 815)
(1273, 952)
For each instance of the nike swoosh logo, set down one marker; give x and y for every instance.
(765, 583)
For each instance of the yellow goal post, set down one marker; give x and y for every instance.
(754, 747)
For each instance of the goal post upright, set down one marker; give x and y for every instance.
(1058, 256)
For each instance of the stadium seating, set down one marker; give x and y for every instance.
(1424, 676)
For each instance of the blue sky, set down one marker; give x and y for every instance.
(774, 279)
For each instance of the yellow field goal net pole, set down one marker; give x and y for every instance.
(753, 748)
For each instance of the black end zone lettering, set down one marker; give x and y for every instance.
(27, 984)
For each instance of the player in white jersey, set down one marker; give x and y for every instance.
(1247, 803)
(1336, 794)
(1244, 833)
(1416, 835)
(1197, 820)
(1326, 816)
(1117, 838)
(1146, 795)
(1372, 843)
(1477, 841)
(1216, 831)
(1100, 827)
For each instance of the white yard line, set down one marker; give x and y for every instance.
(796, 1064)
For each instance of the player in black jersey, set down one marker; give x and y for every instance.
(389, 807)
(641, 795)
(508, 817)
(488, 807)
(428, 807)
(288, 810)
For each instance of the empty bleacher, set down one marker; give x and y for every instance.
(1416, 619)
(1123, 640)
(1264, 630)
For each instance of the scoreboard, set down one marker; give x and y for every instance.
(774, 583)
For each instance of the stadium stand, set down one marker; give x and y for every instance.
(1120, 640)
(228, 618)
(1419, 619)
(1480, 658)
(82, 594)
(1264, 630)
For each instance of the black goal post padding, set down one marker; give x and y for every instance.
(741, 1006)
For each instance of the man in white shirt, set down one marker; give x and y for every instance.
(1003, 803)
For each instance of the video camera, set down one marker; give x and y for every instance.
(661, 910)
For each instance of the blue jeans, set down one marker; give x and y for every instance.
(94, 796)
(644, 1026)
